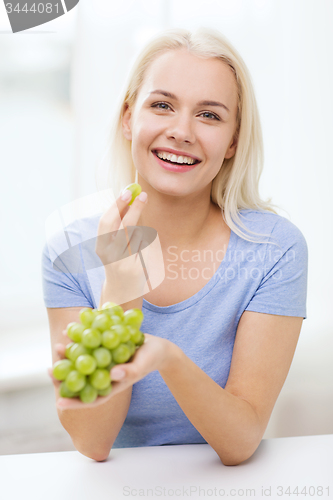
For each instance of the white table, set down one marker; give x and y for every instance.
(189, 471)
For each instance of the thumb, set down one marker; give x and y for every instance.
(117, 373)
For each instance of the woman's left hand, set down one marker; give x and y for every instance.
(154, 354)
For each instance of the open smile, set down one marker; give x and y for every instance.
(174, 166)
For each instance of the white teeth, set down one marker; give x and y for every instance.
(175, 159)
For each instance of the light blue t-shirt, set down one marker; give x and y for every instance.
(251, 277)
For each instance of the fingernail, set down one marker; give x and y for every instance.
(127, 195)
(142, 196)
(117, 374)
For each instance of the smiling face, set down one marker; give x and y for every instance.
(189, 105)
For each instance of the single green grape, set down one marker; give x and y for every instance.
(75, 381)
(114, 310)
(88, 394)
(91, 338)
(108, 305)
(110, 339)
(141, 340)
(87, 316)
(105, 392)
(116, 320)
(75, 351)
(86, 364)
(122, 331)
(131, 346)
(64, 392)
(135, 190)
(102, 356)
(121, 354)
(62, 368)
(74, 331)
(100, 379)
(101, 322)
(68, 348)
(135, 334)
(133, 317)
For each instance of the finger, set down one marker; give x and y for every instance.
(125, 373)
(111, 219)
(60, 349)
(132, 216)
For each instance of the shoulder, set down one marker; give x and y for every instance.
(64, 242)
(280, 230)
(62, 235)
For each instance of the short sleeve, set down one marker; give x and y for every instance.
(283, 288)
(60, 288)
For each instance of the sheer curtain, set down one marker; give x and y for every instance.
(36, 158)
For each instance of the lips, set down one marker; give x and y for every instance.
(174, 167)
(177, 153)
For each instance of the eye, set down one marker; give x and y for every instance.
(160, 104)
(215, 117)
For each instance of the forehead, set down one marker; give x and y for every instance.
(188, 75)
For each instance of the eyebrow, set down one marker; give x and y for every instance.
(201, 103)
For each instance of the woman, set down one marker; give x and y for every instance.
(220, 331)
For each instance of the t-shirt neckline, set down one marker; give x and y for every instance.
(184, 304)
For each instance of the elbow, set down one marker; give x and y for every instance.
(99, 455)
(89, 447)
(236, 457)
(230, 462)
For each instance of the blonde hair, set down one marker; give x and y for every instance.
(236, 186)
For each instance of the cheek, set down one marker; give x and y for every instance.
(146, 129)
(215, 144)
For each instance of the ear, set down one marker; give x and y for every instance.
(126, 122)
(231, 149)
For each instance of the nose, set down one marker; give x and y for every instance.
(181, 129)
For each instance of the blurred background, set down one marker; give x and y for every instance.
(59, 84)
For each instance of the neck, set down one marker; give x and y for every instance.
(182, 221)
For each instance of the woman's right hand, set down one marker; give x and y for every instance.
(72, 403)
(118, 245)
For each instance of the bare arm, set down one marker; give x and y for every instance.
(232, 420)
(94, 427)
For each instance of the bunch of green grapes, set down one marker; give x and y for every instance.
(104, 338)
